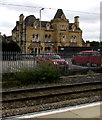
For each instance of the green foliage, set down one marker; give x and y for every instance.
(94, 43)
(41, 74)
(46, 73)
(24, 76)
(10, 46)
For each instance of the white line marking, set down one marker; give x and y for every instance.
(48, 112)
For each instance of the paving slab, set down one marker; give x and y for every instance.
(88, 112)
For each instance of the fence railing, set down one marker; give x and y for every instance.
(17, 61)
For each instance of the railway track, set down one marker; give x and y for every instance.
(37, 93)
(51, 87)
(47, 95)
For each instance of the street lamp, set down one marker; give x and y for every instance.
(40, 16)
(40, 22)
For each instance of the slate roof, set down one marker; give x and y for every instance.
(29, 20)
(43, 23)
(70, 25)
(59, 13)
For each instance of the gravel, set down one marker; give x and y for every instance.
(62, 80)
(66, 103)
(25, 110)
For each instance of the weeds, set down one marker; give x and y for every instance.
(41, 74)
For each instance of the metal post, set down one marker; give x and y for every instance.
(40, 25)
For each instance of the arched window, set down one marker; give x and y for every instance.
(49, 38)
(45, 37)
(75, 39)
(33, 37)
(72, 39)
(37, 37)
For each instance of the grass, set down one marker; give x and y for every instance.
(39, 75)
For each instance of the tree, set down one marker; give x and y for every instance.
(93, 43)
(10, 46)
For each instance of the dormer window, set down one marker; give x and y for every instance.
(35, 25)
(63, 16)
(47, 26)
(73, 27)
(63, 38)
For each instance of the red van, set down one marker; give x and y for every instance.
(87, 58)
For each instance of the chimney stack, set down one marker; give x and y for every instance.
(76, 21)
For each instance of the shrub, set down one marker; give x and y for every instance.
(46, 73)
(43, 73)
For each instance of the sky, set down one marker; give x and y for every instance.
(87, 10)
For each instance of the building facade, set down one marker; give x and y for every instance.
(35, 36)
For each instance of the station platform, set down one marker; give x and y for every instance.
(90, 110)
(87, 111)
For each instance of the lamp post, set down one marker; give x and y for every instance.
(40, 23)
(40, 16)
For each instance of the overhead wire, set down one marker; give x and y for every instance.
(18, 5)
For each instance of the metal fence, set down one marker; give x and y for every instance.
(16, 61)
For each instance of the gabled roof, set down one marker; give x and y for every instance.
(59, 13)
(70, 26)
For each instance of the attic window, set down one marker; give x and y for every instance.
(63, 16)
(73, 28)
(47, 26)
(35, 25)
(62, 38)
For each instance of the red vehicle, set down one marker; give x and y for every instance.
(52, 58)
(88, 58)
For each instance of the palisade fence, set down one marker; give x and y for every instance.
(17, 61)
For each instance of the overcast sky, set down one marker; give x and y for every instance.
(87, 10)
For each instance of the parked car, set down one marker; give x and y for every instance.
(24, 57)
(52, 58)
(87, 58)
